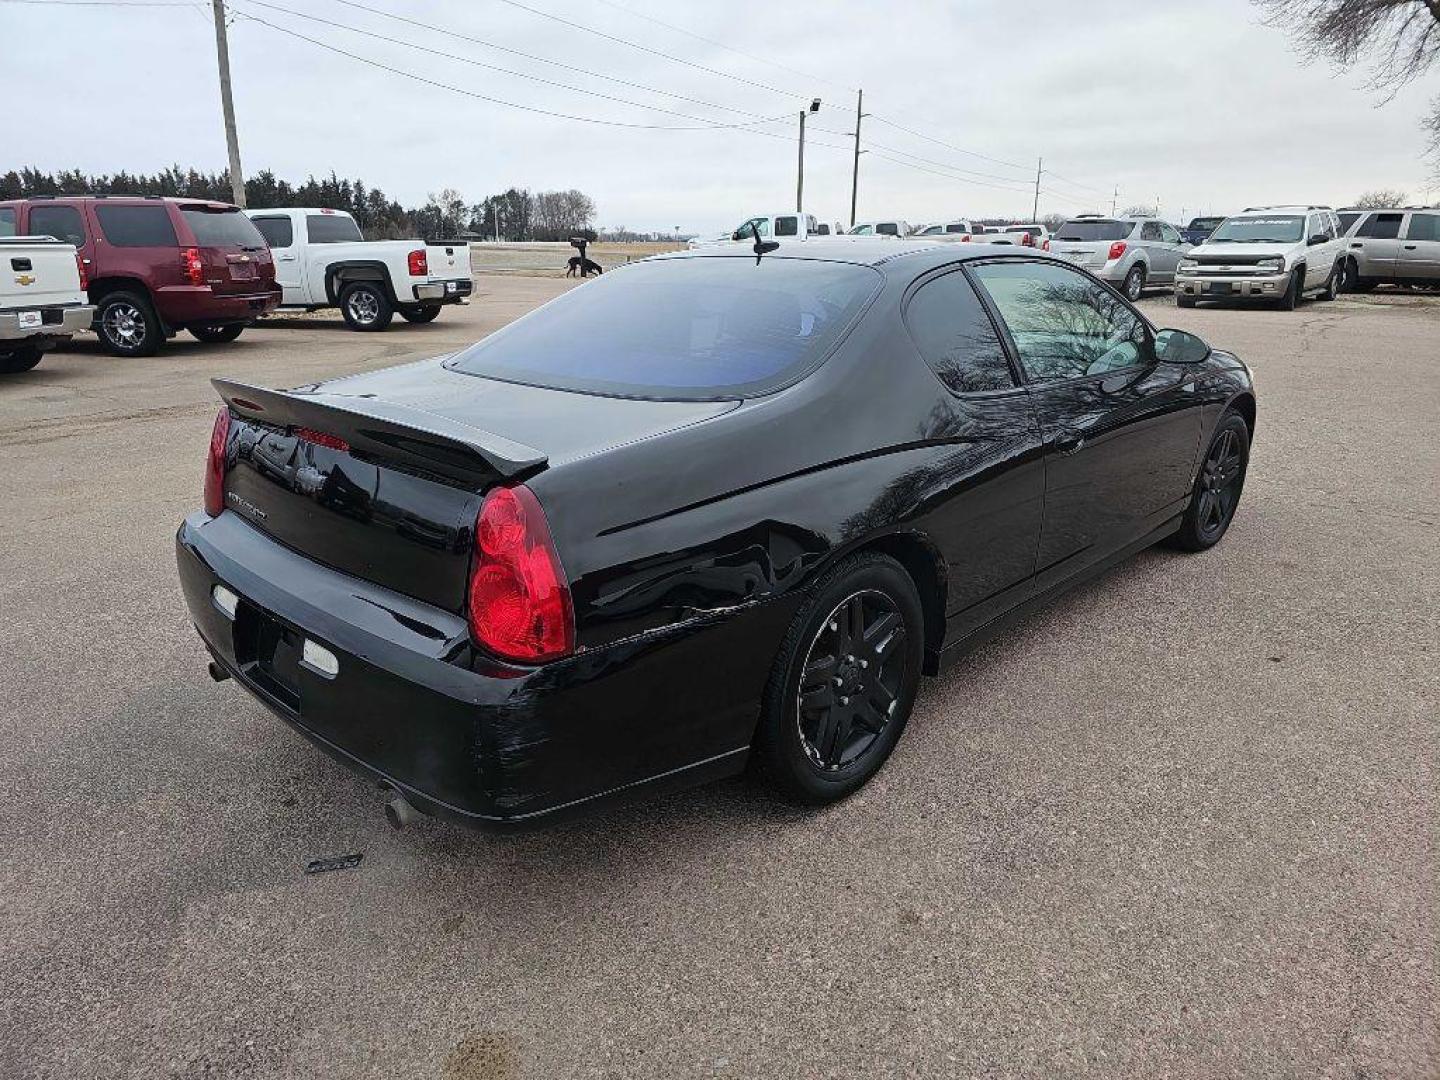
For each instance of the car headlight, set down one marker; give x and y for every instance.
(1277, 264)
(1189, 264)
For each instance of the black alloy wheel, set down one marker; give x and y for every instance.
(1218, 487)
(845, 681)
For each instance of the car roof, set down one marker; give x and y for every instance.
(177, 200)
(867, 251)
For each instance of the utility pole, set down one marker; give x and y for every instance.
(1035, 210)
(1115, 200)
(232, 141)
(855, 175)
(800, 176)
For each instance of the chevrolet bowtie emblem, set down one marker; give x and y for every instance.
(24, 279)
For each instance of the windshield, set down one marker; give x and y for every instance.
(1085, 231)
(862, 230)
(681, 328)
(933, 230)
(1271, 229)
(222, 228)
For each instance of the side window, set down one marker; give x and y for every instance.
(136, 226)
(278, 231)
(957, 227)
(1382, 226)
(61, 222)
(7, 221)
(1151, 231)
(1422, 227)
(787, 226)
(955, 336)
(1063, 324)
(745, 233)
(1169, 233)
(888, 228)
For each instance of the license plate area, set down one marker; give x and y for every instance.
(268, 653)
(1218, 288)
(242, 271)
(30, 320)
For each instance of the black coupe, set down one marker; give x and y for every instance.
(710, 508)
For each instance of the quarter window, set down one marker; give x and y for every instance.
(1151, 231)
(136, 226)
(62, 222)
(7, 221)
(1422, 227)
(956, 337)
(1382, 226)
(278, 231)
(1064, 325)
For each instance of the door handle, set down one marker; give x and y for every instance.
(285, 258)
(1409, 247)
(1357, 245)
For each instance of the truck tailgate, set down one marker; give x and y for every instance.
(40, 272)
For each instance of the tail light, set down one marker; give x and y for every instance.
(215, 464)
(1027, 240)
(519, 600)
(84, 272)
(1117, 249)
(322, 438)
(419, 265)
(194, 267)
(1046, 245)
(965, 239)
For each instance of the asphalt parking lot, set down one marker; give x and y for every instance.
(1181, 824)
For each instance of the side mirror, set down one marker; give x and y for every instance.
(1318, 238)
(1179, 347)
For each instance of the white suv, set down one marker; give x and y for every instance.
(1266, 253)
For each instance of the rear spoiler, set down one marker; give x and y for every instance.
(421, 439)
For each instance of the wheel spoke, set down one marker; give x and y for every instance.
(820, 697)
(869, 717)
(836, 737)
(879, 631)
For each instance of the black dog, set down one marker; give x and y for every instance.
(582, 265)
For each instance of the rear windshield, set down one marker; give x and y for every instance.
(331, 229)
(1204, 222)
(1270, 228)
(1095, 230)
(686, 328)
(222, 228)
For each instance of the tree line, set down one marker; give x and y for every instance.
(517, 214)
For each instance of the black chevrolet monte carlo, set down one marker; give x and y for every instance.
(712, 508)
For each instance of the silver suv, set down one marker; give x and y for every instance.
(1276, 253)
(1130, 253)
(1392, 247)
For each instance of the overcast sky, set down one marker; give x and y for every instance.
(1193, 102)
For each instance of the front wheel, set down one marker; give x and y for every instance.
(128, 325)
(1291, 300)
(217, 334)
(422, 314)
(1135, 282)
(1217, 488)
(1181, 300)
(21, 358)
(365, 306)
(844, 681)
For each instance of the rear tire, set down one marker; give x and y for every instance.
(127, 325)
(1135, 282)
(423, 314)
(365, 306)
(22, 358)
(844, 681)
(1218, 487)
(216, 335)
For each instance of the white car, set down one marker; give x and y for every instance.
(885, 227)
(42, 298)
(1277, 253)
(322, 260)
(958, 231)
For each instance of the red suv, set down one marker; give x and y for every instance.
(155, 266)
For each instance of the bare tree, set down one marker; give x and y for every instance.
(1398, 39)
(1380, 200)
(1140, 211)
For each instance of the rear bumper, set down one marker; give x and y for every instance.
(413, 706)
(54, 322)
(1232, 286)
(448, 291)
(181, 305)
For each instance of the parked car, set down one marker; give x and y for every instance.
(523, 579)
(1025, 235)
(42, 296)
(826, 228)
(1131, 253)
(1277, 253)
(157, 266)
(323, 260)
(890, 227)
(1392, 247)
(957, 231)
(1199, 229)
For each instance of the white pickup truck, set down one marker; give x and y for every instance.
(42, 299)
(322, 260)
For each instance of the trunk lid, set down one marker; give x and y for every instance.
(381, 475)
(236, 259)
(1082, 252)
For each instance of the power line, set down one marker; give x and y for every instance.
(645, 48)
(952, 146)
(727, 47)
(494, 67)
(102, 3)
(706, 126)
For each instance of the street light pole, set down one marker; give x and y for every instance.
(800, 176)
(855, 175)
(232, 141)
